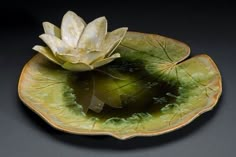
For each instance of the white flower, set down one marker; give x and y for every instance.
(80, 47)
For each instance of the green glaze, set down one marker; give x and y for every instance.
(150, 90)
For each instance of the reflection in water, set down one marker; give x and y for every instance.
(121, 89)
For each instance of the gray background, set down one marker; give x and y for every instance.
(206, 28)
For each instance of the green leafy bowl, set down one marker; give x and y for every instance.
(160, 90)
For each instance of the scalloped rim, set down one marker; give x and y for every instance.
(187, 120)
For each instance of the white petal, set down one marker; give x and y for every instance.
(51, 29)
(77, 67)
(69, 58)
(91, 57)
(106, 60)
(55, 44)
(71, 28)
(47, 53)
(113, 39)
(94, 34)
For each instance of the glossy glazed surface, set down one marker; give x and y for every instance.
(157, 89)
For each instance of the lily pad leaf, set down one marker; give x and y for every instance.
(150, 90)
(155, 47)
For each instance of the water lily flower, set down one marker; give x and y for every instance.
(78, 46)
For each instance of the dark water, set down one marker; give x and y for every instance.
(124, 88)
